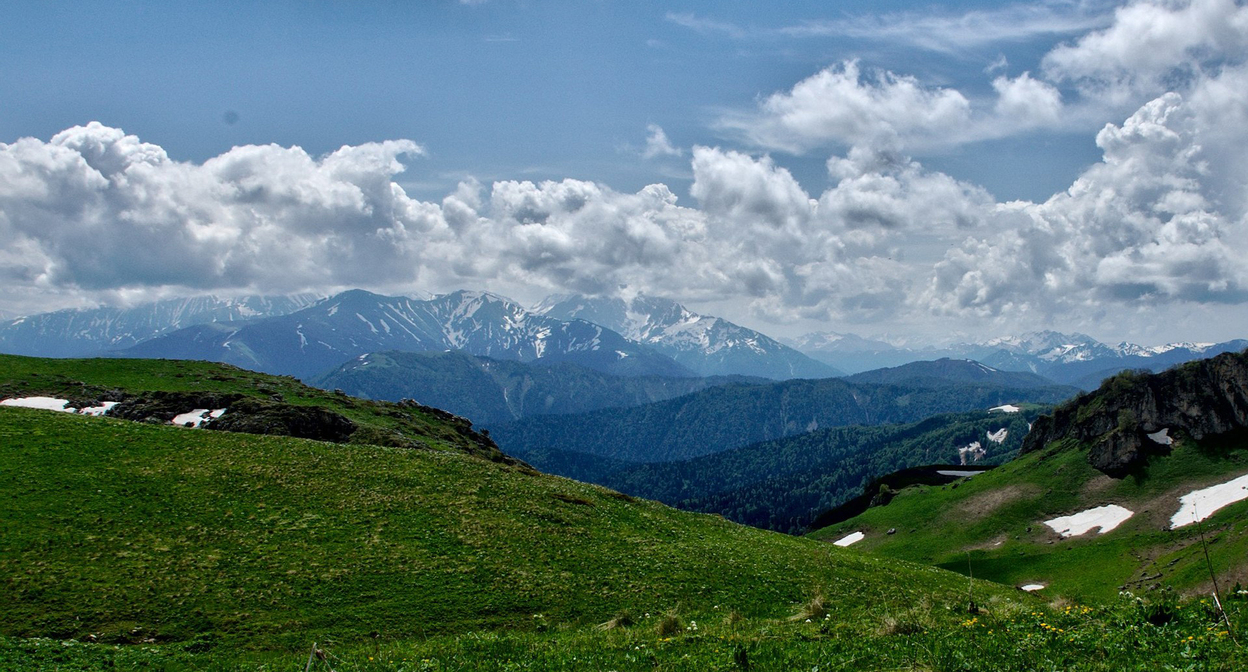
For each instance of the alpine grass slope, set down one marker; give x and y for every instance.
(1136, 448)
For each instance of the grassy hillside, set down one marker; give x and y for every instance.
(128, 545)
(995, 521)
(92, 380)
(129, 531)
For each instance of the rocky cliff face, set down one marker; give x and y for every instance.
(1198, 399)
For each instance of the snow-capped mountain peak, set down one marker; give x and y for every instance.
(707, 344)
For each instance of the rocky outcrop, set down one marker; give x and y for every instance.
(162, 407)
(1202, 398)
(260, 416)
(249, 415)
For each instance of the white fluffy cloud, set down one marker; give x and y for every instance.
(97, 210)
(100, 213)
(843, 105)
(840, 104)
(1160, 220)
(1150, 46)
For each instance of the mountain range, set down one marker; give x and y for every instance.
(83, 332)
(354, 323)
(708, 345)
(297, 335)
(1071, 359)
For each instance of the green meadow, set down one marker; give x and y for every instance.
(135, 546)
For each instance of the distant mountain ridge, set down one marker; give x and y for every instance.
(92, 331)
(492, 391)
(708, 345)
(945, 372)
(356, 322)
(1072, 359)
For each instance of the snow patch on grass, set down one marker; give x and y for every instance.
(197, 417)
(849, 539)
(42, 403)
(54, 404)
(1032, 587)
(1104, 517)
(999, 435)
(1006, 408)
(1200, 504)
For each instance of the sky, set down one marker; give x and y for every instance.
(921, 171)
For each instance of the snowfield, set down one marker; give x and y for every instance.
(1006, 408)
(1200, 504)
(44, 403)
(999, 435)
(1162, 436)
(197, 417)
(1104, 517)
(53, 404)
(849, 539)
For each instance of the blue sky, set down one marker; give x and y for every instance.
(498, 90)
(883, 168)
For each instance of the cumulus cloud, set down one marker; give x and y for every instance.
(1025, 102)
(98, 209)
(844, 106)
(100, 213)
(1156, 221)
(841, 104)
(1152, 46)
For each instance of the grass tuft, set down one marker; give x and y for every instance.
(617, 622)
(813, 610)
(669, 625)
